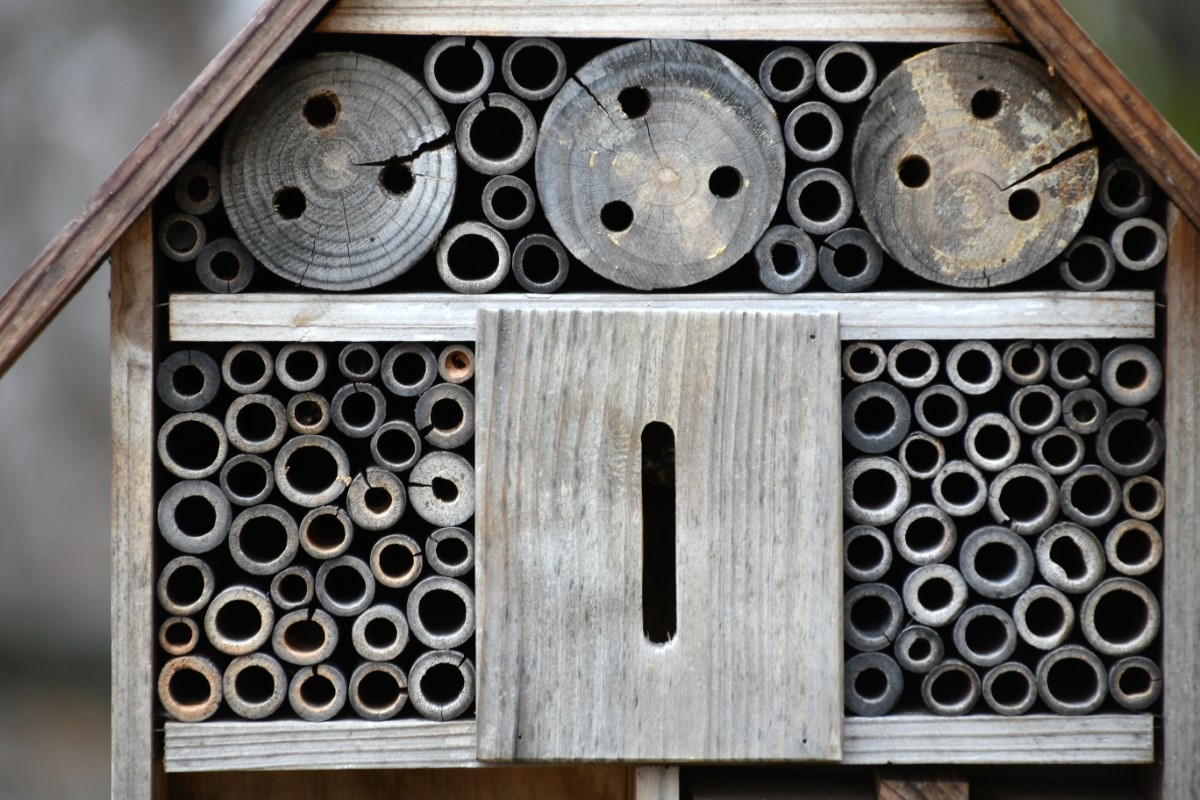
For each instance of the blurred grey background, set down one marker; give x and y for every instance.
(80, 82)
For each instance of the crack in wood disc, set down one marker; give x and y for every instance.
(660, 164)
(974, 166)
(338, 172)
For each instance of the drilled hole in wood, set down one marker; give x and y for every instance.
(986, 103)
(786, 74)
(255, 422)
(634, 101)
(1072, 680)
(1044, 617)
(496, 133)
(1067, 555)
(311, 470)
(304, 636)
(444, 490)
(813, 131)
(188, 380)
(192, 445)
(317, 691)
(1023, 499)
(874, 416)
(447, 414)
(442, 683)
(185, 585)
(914, 172)
(238, 620)
(377, 500)
(321, 110)
(845, 72)
(935, 594)
(1024, 204)
(396, 179)
(820, 201)
(850, 260)
(1134, 681)
(458, 68)
(263, 539)
(471, 257)
(189, 688)
(874, 489)
(616, 216)
(293, 588)
(508, 202)
(379, 690)
(254, 684)
(380, 633)
(182, 236)
(865, 553)
(725, 182)
(289, 203)
(871, 684)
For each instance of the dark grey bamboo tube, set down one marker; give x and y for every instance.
(446, 414)
(850, 260)
(1025, 498)
(1059, 451)
(326, 532)
(396, 446)
(843, 84)
(996, 562)
(1139, 244)
(1130, 443)
(380, 633)
(197, 188)
(992, 442)
(925, 534)
(1135, 682)
(453, 263)
(508, 203)
(376, 499)
(935, 594)
(301, 367)
(1120, 617)
(1009, 689)
(863, 362)
(263, 539)
(1074, 363)
(527, 83)
(1090, 496)
(292, 588)
(357, 410)
(247, 479)
(1026, 363)
(396, 560)
(1084, 411)
(819, 201)
(1072, 681)
(305, 636)
(408, 369)
(1131, 374)
(919, 649)
(1088, 265)
(451, 602)
(317, 693)
(484, 159)
(192, 445)
(1143, 497)
(922, 455)
(1133, 547)
(529, 260)
(959, 489)
(308, 413)
(452, 48)
(1125, 190)
(225, 266)
(187, 380)
(1044, 617)
(255, 686)
(1035, 409)
(873, 684)
(255, 423)
(178, 636)
(312, 471)
(456, 363)
(442, 489)
(786, 74)
(181, 237)
(872, 617)
(786, 258)
(189, 688)
(875, 490)
(875, 417)
(985, 635)
(185, 586)
(973, 367)
(940, 410)
(194, 516)
(239, 620)
(913, 364)
(450, 552)
(867, 553)
(951, 689)
(459, 689)
(378, 690)
(813, 131)
(358, 361)
(345, 586)
(247, 368)
(1070, 558)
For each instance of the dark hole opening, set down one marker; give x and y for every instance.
(198, 189)
(444, 490)
(1024, 204)
(311, 469)
(1125, 188)
(508, 202)
(1059, 450)
(189, 687)
(725, 182)
(472, 257)
(1135, 681)
(874, 416)
(992, 442)
(871, 614)
(195, 515)
(452, 551)
(358, 409)
(913, 363)
(634, 101)
(616, 216)
(395, 446)
(813, 131)
(996, 561)
(785, 258)
(1011, 689)
(1072, 680)
(317, 691)
(182, 235)
(1143, 497)
(1130, 442)
(254, 684)
(359, 362)
(820, 201)
(309, 413)
(845, 72)
(255, 422)
(864, 360)
(1132, 374)
(1084, 411)
(496, 133)
(850, 260)
(247, 368)
(787, 74)
(1024, 499)
(263, 539)
(950, 688)
(919, 649)
(225, 265)
(985, 635)
(921, 455)
(321, 110)
(458, 68)
(395, 560)
(935, 594)
(344, 585)
(1139, 243)
(326, 532)
(914, 172)
(293, 588)
(377, 499)
(185, 585)
(1134, 547)
(378, 690)
(187, 380)
(1086, 262)
(1069, 557)
(304, 636)
(986, 103)
(380, 633)
(960, 488)
(975, 367)
(1026, 362)
(1044, 617)
(940, 410)
(925, 535)
(871, 684)
(1074, 363)
(178, 634)
(874, 489)
(443, 612)
(409, 369)
(533, 67)
(865, 553)
(1121, 616)
(301, 365)
(442, 684)
(289, 203)
(447, 414)
(193, 445)
(238, 620)
(1035, 408)
(396, 179)
(659, 614)
(540, 264)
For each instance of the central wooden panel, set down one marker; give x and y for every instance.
(753, 671)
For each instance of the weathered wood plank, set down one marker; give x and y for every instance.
(70, 259)
(1035, 739)
(802, 20)
(897, 784)
(132, 351)
(1112, 97)
(451, 317)
(571, 668)
(337, 744)
(1181, 589)
(492, 783)
(654, 783)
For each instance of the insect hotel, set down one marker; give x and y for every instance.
(599, 401)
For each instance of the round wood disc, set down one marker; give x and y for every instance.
(660, 164)
(973, 165)
(338, 172)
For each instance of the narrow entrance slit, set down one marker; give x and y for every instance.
(659, 621)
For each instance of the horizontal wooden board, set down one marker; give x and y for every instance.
(451, 317)
(799, 20)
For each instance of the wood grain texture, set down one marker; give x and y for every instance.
(1112, 97)
(451, 317)
(566, 673)
(803, 20)
(492, 783)
(1033, 739)
(897, 784)
(70, 259)
(654, 783)
(217, 746)
(132, 349)
(1181, 565)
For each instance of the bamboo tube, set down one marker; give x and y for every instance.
(1088, 265)
(358, 362)
(875, 417)
(461, 263)
(873, 684)
(375, 500)
(526, 81)
(300, 367)
(442, 489)
(1131, 375)
(1026, 363)
(239, 620)
(178, 636)
(480, 150)
(263, 539)
(292, 588)
(446, 413)
(378, 690)
(194, 516)
(254, 686)
(396, 445)
(247, 368)
(941, 410)
(985, 635)
(992, 442)
(1044, 617)
(308, 413)
(408, 369)
(456, 363)
(786, 258)
(247, 479)
(1124, 189)
(197, 188)
(1070, 558)
(867, 553)
(1133, 547)
(1139, 244)
(1090, 496)
(449, 56)
(187, 380)
(396, 560)
(357, 410)
(996, 562)
(192, 445)
(959, 489)
(185, 586)
(973, 367)
(1059, 451)
(529, 262)
(1143, 497)
(380, 633)
(787, 74)
(312, 471)
(1135, 682)
(850, 260)
(873, 615)
(225, 266)
(922, 455)
(448, 601)
(1130, 443)
(433, 676)
(813, 132)
(925, 534)
(913, 364)
(508, 203)
(255, 423)
(1035, 409)
(1025, 498)
(1074, 363)
(935, 594)
(189, 688)
(326, 532)
(1120, 617)
(819, 201)
(181, 237)
(1009, 689)
(875, 490)
(450, 552)
(1071, 680)
(345, 586)
(951, 689)
(317, 693)
(863, 362)
(846, 72)
(919, 649)
(305, 636)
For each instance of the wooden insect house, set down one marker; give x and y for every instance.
(577, 400)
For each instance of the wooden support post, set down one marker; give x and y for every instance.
(132, 512)
(654, 783)
(892, 784)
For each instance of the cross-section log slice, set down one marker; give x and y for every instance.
(338, 172)
(974, 166)
(660, 164)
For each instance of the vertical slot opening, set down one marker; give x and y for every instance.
(659, 621)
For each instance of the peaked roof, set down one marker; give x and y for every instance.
(77, 251)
